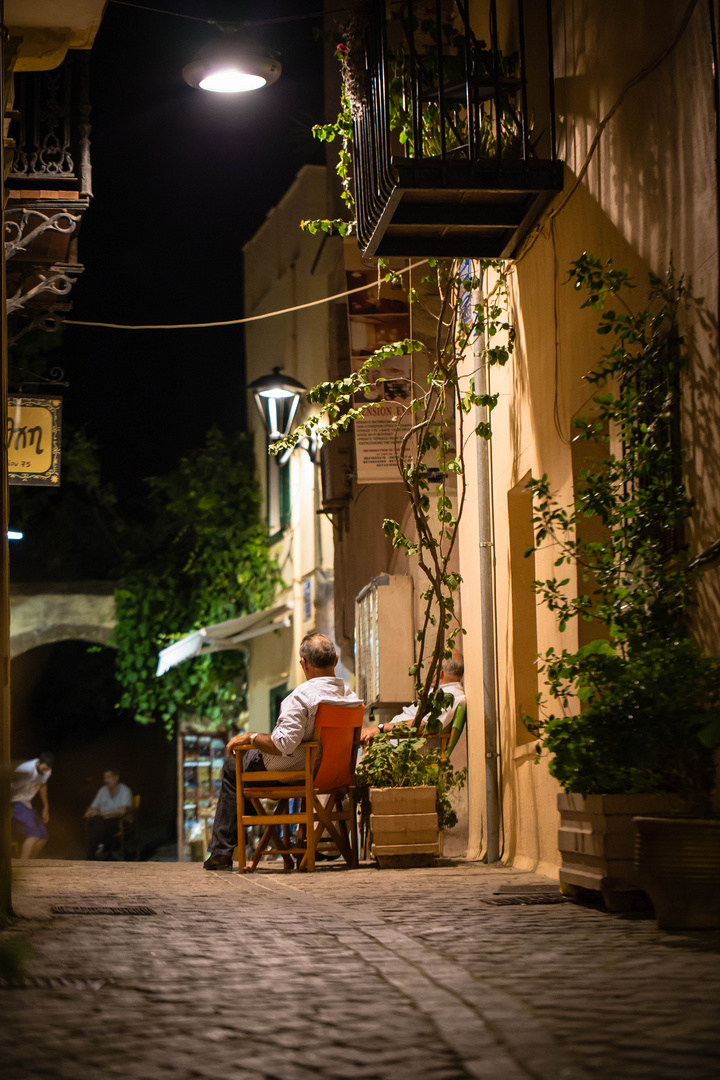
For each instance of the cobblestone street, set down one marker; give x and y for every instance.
(425, 974)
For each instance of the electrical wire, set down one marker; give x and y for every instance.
(233, 322)
(216, 22)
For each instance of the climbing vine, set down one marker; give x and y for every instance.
(205, 560)
(445, 404)
(444, 408)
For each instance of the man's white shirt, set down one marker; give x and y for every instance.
(296, 721)
(105, 803)
(409, 712)
(28, 782)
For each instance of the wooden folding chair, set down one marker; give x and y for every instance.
(337, 729)
(128, 836)
(457, 728)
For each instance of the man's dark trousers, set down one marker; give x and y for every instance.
(224, 838)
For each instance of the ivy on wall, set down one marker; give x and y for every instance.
(205, 560)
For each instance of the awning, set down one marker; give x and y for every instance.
(225, 635)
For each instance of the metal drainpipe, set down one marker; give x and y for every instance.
(486, 560)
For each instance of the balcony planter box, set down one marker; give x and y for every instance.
(404, 826)
(597, 843)
(677, 861)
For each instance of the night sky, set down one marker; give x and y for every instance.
(182, 179)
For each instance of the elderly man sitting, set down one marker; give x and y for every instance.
(279, 750)
(450, 683)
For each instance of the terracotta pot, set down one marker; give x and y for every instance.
(678, 865)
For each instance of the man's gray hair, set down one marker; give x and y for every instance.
(453, 667)
(318, 650)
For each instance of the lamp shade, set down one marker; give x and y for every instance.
(277, 397)
(231, 66)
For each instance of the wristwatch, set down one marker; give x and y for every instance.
(253, 737)
(381, 728)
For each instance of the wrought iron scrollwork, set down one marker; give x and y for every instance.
(18, 236)
(44, 136)
(57, 281)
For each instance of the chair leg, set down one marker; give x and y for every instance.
(331, 819)
(241, 845)
(309, 859)
(353, 830)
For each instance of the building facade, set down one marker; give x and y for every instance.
(636, 126)
(285, 270)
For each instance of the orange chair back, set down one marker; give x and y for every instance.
(337, 726)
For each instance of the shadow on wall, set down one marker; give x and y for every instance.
(64, 699)
(700, 413)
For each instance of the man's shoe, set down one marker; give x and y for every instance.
(218, 862)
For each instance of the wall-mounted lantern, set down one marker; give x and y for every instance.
(277, 397)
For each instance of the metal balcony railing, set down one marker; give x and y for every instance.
(48, 190)
(454, 124)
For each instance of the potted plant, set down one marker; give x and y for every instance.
(634, 714)
(404, 793)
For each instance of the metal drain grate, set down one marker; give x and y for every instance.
(62, 910)
(526, 898)
(51, 982)
(525, 887)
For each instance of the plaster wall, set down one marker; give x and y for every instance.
(40, 617)
(639, 81)
(268, 668)
(46, 29)
(284, 269)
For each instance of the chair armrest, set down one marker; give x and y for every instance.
(275, 775)
(457, 727)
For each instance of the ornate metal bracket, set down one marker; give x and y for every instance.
(18, 235)
(48, 321)
(56, 280)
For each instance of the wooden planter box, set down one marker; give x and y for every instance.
(404, 826)
(597, 842)
(678, 863)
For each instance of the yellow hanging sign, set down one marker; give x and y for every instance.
(33, 440)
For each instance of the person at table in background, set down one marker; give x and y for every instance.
(31, 779)
(112, 802)
(450, 683)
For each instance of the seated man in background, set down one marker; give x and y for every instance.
(112, 802)
(450, 683)
(280, 750)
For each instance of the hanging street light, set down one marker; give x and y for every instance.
(232, 65)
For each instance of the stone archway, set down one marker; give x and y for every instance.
(43, 613)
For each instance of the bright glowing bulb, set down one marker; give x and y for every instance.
(231, 81)
(14, 535)
(277, 392)
(273, 418)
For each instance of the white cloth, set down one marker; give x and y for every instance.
(297, 719)
(28, 782)
(105, 803)
(410, 711)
